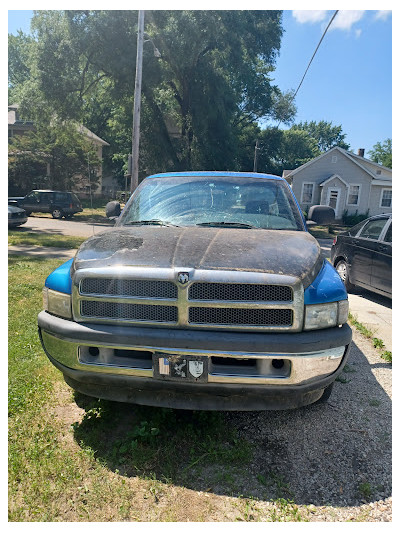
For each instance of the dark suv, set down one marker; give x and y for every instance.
(58, 203)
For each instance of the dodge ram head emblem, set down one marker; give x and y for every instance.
(183, 277)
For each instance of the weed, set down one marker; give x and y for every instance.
(373, 402)
(348, 369)
(365, 490)
(342, 379)
(285, 511)
(378, 343)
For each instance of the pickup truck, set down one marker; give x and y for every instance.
(209, 293)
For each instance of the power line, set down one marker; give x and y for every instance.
(311, 60)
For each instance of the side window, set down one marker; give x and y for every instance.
(33, 197)
(355, 229)
(43, 198)
(388, 236)
(373, 229)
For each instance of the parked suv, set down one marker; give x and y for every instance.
(209, 293)
(58, 203)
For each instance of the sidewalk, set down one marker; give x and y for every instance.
(375, 313)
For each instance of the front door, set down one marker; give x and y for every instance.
(333, 199)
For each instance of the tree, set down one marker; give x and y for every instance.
(54, 157)
(382, 153)
(285, 149)
(212, 81)
(326, 135)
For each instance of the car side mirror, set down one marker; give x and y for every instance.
(113, 209)
(322, 215)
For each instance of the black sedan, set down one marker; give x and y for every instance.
(363, 255)
(16, 216)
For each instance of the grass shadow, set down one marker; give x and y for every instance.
(315, 455)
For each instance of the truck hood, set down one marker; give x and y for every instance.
(293, 253)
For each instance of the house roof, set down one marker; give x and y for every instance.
(334, 176)
(13, 121)
(356, 159)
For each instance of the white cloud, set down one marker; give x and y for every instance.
(309, 16)
(345, 19)
(383, 14)
(358, 33)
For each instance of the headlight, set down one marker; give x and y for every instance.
(326, 315)
(57, 303)
(343, 311)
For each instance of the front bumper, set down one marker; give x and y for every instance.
(246, 371)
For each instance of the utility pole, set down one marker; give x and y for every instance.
(256, 149)
(136, 104)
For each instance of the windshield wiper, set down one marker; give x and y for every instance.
(153, 222)
(227, 224)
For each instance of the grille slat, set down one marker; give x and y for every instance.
(129, 287)
(126, 311)
(243, 292)
(237, 316)
(275, 304)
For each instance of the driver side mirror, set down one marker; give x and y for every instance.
(113, 210)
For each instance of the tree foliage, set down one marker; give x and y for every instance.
(212, 81)
(382, 153)
(326, 135)
(56, 157)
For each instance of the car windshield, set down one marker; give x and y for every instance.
(243, 202)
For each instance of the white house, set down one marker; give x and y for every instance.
(345, 181)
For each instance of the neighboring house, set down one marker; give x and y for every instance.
(82, 185)
(345, 181)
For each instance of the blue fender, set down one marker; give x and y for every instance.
(326, 287)
(60, 279)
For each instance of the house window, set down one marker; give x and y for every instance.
(386, 198)
(334, 159)
(353, 195)
(307, 193)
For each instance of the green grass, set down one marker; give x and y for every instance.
(16, 237)
(72, 458)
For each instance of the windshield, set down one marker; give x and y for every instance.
(220, 201)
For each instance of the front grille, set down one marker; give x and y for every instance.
(243, 292)
(247, 317)
(129, 287)
(248, 301)
(127, 311)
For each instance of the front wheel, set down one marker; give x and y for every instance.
(57, 213)
(342, 268)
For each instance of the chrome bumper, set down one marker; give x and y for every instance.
(224, 367)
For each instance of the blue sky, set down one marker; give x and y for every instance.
(349, 82)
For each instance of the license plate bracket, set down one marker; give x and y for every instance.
(183, 368)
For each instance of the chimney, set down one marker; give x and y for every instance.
(361, 152)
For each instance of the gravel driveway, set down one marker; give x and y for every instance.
(335, 457)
